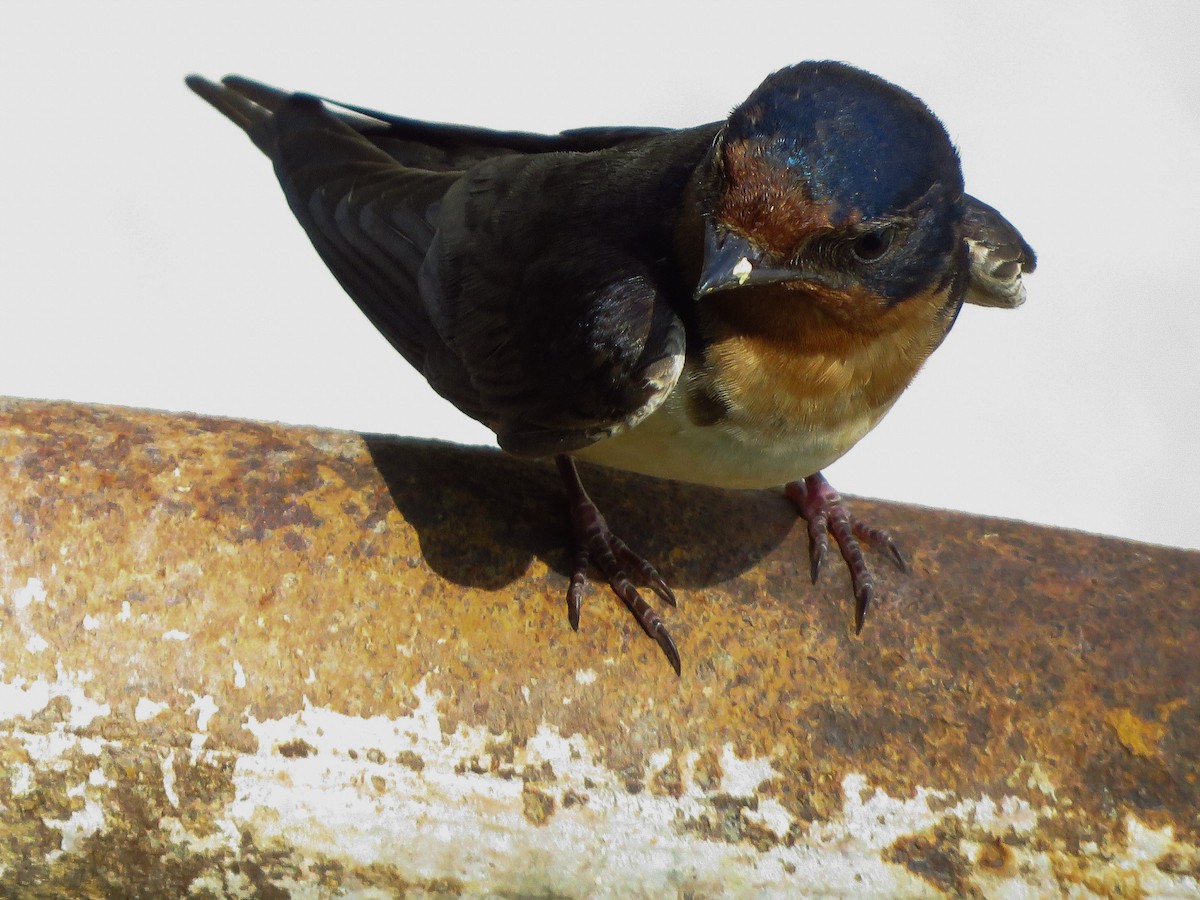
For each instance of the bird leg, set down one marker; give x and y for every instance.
(822, 508)
(594, 543)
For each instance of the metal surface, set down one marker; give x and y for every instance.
(249, 660)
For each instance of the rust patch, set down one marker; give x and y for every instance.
(297, 749)
(1136, 735)
(936, 859)
(572, 798)
(537, 806)
(411, 759)
(668, 780)
(995, 855)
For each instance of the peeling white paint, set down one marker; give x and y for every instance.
(147, 709)
(77, 827)
(353, 790)
(1147, 844)
(1144, 847)
(126, 612)
(51, 754)
(23, 698)
(879, 820)
(36, 643)
(20, 779)
(205, 708)
(91, 623)
(168, 773)
(239, 675)
(175, 635)
(33, 591)
(224, 837)
(743, 776)
(658, 760)
(771, 815)
(586, 676)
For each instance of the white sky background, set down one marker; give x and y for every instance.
(147, 256)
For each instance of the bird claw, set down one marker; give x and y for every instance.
(595, 543)
(823, 510)
(668, 647)
(880, 541)
(640, 568)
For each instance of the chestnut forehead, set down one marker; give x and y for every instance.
(769, 202)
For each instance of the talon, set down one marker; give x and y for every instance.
(643, 570)
(579, 569)
(574, 603)
(818, 544)
(594, 543)
(822, 507)
(668, 647)
(881, 541)
(814, 516)
(862, 599)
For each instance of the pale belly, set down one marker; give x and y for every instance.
(667, 444)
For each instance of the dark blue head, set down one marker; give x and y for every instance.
(830, 173)
(860, 144)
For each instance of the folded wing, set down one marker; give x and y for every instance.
(510, 269)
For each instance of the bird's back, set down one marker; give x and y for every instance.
(529, 277)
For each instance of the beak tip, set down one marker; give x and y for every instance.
(733, 261)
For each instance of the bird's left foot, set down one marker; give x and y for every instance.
(594, 543)
(822, 508)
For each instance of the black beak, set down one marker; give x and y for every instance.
(732, 261)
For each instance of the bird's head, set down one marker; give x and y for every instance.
(833, 182)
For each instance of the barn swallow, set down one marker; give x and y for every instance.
(735, 304)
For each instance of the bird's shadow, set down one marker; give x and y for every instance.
(481, 515)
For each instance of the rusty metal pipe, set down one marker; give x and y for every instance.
(245, 659)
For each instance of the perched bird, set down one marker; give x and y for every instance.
(735, 304)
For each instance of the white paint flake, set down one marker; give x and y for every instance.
(205, 708)
(239, 675)
(78, 826)
(33, 591)
(771, 815)
(20, 779)
(23, 698)
(168, 773)
(147, 709)
(36, 643)
(743, 776)
(175, 635)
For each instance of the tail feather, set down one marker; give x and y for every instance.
(269, 98)
(245, 113)
(371, 218)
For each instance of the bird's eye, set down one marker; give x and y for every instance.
(871, 246)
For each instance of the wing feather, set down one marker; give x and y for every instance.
(528, 277)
